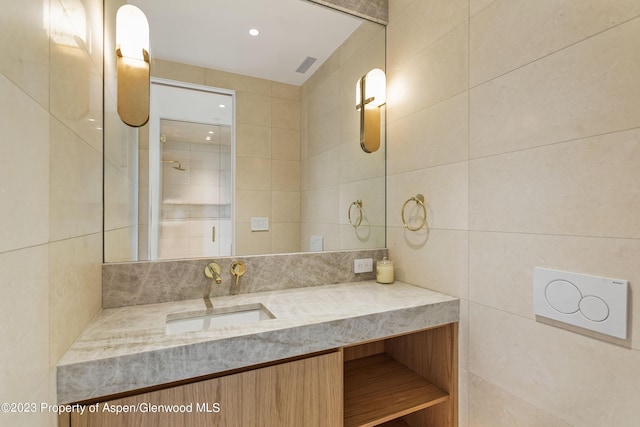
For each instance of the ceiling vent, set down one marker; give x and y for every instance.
(306, 64)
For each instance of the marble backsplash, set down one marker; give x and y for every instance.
(136, 283)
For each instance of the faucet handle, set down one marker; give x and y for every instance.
(213, 271)
(238, 268)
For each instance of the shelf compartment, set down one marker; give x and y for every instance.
(398, 422)
(379, 389)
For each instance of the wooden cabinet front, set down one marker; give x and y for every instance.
(305, 392)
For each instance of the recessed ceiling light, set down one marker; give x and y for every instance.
(222, 106)
(208, 138)
(210, 132)
(254, 32)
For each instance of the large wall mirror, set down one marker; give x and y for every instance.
(280, 170)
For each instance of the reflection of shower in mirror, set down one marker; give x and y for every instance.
(178, 168)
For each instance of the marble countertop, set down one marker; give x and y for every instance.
(127, 348)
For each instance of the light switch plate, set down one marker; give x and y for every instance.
(316, 243)
(590, 302)
(259, 223)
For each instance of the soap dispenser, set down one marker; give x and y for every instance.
(384, 271)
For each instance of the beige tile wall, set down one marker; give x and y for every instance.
(51, 188)
(267, 154)
(336, 171)
(519, 122)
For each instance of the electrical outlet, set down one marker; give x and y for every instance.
(363, 265)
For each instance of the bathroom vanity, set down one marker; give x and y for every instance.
(352, 354)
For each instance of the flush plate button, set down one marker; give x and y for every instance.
(590, 302)
(563, 296)
(594, 308)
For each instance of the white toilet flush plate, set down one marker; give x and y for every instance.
(590, 302)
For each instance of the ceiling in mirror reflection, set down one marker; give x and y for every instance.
(195, 133)
(215, 34)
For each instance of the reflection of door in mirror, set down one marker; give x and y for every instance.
(191, 171)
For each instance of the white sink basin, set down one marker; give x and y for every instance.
(216, 318)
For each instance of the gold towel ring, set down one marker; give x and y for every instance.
(419, 199)
(358, 204)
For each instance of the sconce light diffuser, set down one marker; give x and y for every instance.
(370, 96)
(132, 56)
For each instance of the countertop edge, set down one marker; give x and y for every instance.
(96, 378)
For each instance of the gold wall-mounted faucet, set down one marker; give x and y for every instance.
(212, 271)
(238, 268)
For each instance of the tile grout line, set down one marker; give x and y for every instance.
(533, 61)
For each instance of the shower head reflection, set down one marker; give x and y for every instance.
(178, 166)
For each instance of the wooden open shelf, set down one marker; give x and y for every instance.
(379, 389)
(398, 422)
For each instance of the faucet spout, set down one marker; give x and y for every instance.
(212, 271)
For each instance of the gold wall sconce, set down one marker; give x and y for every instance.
(132, 56)
(370, 96)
